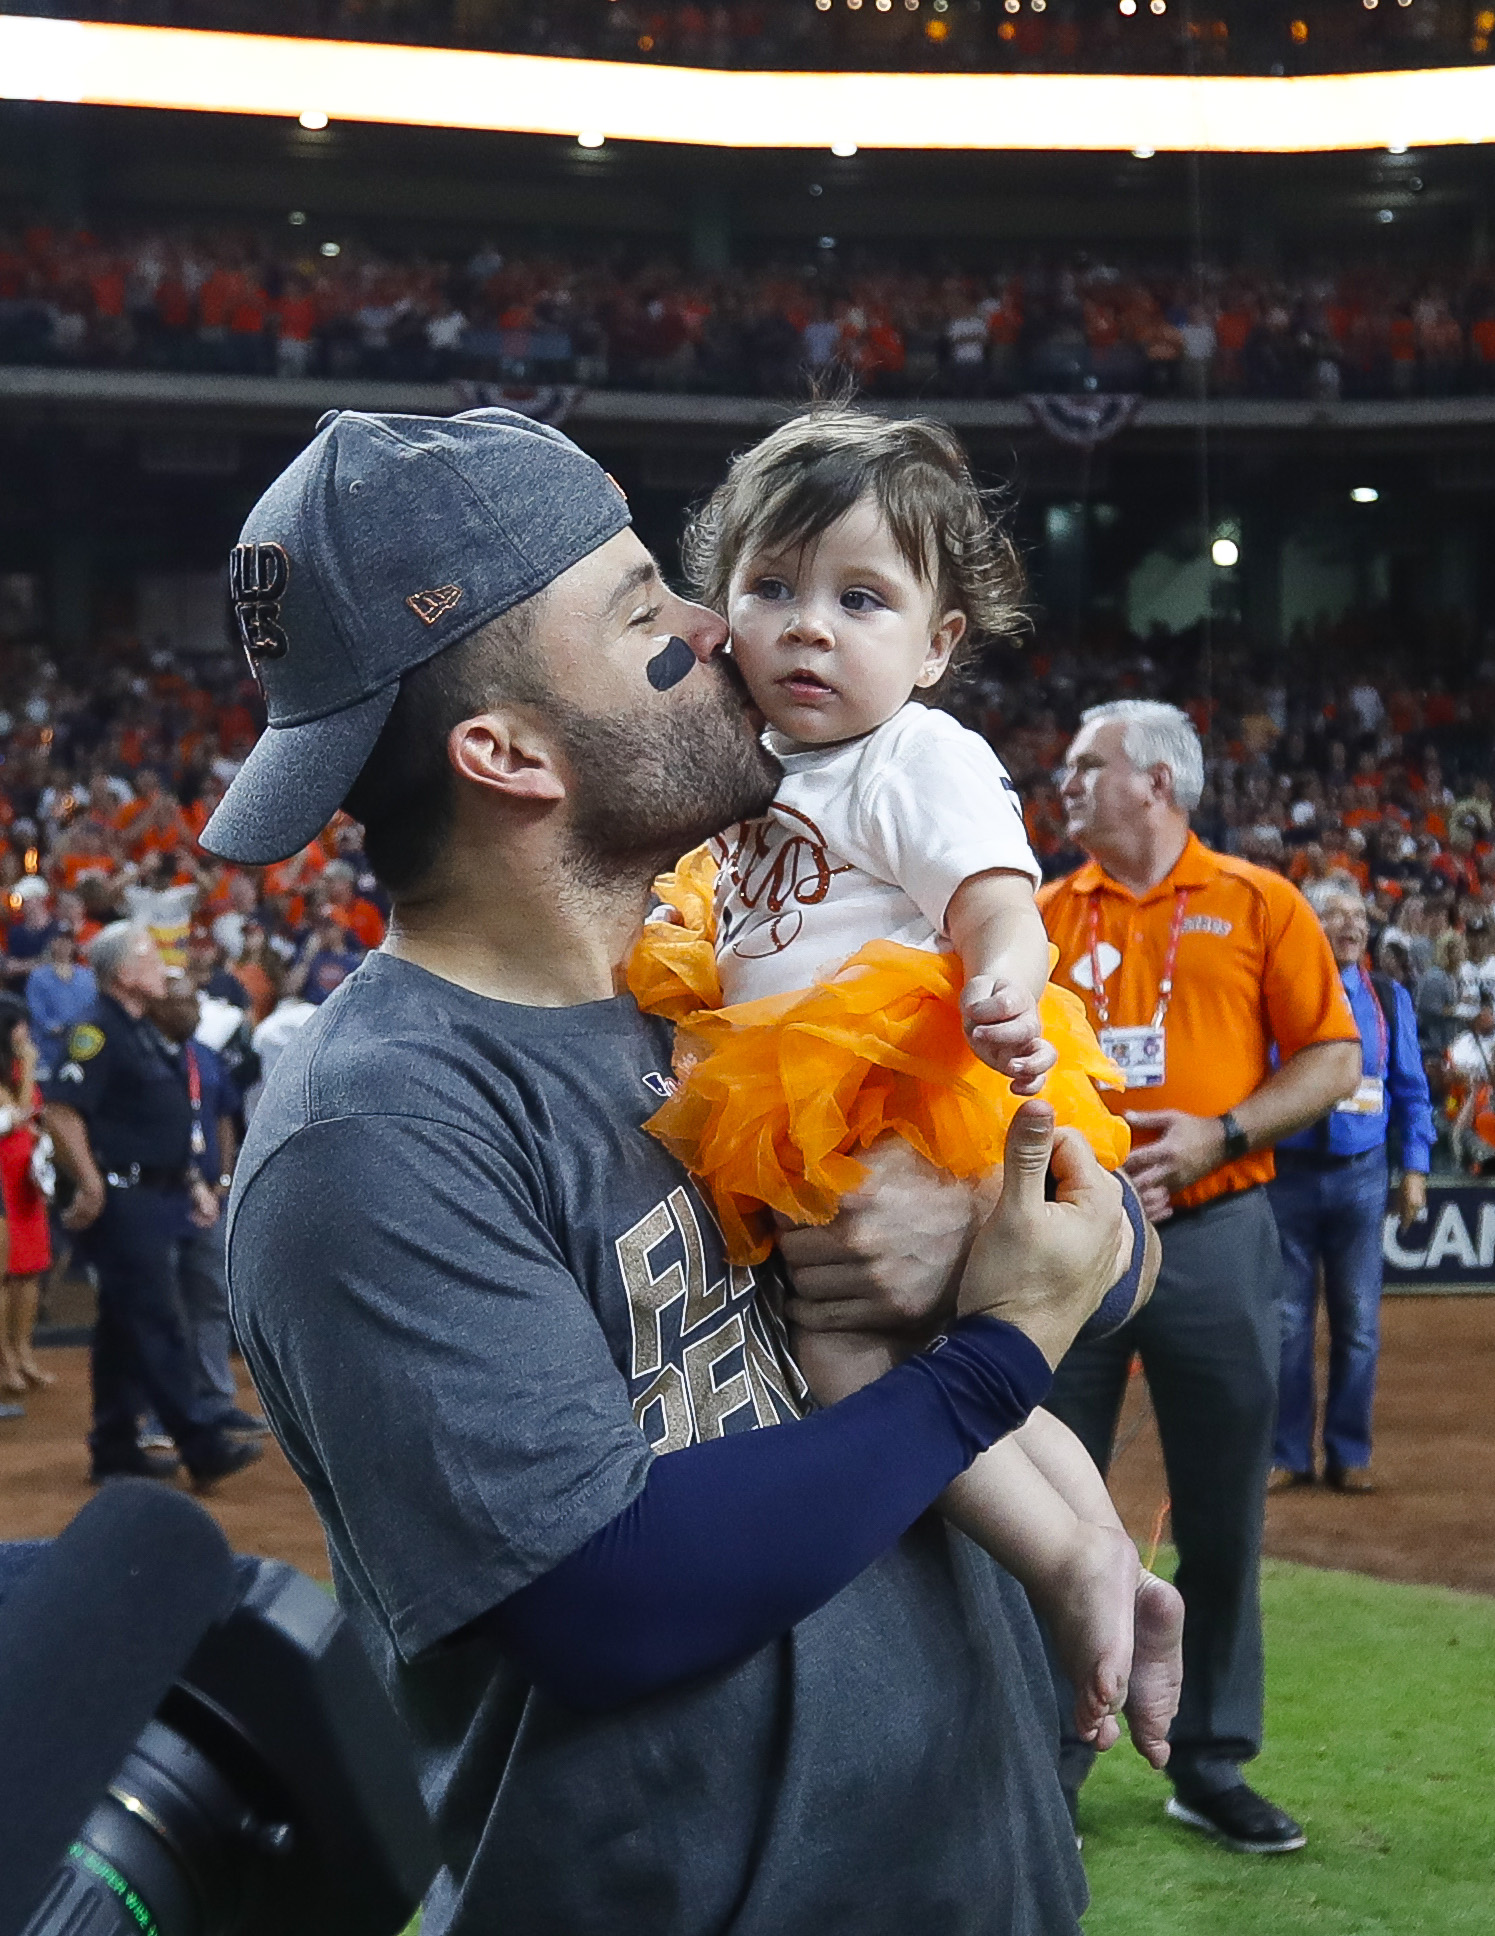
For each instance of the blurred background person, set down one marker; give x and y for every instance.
(1329, 1199)
(58, 990)
(120, 1110)
(25, 1190)
(200, 1258)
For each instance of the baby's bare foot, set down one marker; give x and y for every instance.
(1157, 1667)
(1090, 1616)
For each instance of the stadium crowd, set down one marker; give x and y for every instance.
(239, 302)
(1096, 36)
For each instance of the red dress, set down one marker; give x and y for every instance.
(24, 1205)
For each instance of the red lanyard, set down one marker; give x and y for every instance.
(194, 1080)
(1165, 986)
(1383, 1040)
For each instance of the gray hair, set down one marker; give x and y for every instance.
(1318, 894)
(1158, 735)
(107, 950)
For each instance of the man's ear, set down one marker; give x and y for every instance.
(507, 755)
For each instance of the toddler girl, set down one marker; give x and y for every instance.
(871, 957)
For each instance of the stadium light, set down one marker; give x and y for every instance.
(105, 65)
(1365, 494)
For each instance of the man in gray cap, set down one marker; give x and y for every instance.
(754, 1685)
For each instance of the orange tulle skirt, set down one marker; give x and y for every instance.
(776, 1095)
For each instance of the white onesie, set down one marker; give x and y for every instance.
(865, 841)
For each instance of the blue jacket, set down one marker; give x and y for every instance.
(1406, 1107)
(55, 1005)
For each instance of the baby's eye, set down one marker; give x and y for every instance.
(769, 588)
(859, 599)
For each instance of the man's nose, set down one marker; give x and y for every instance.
(703, 631)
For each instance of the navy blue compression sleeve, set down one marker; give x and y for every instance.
(733, 1541)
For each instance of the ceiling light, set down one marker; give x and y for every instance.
(1365, 494)
(591, 139)
(1157, 6)
(297, 218)
(1225, 552)
(845, 149)
(330, 249)
(1143, 154)
(1385, 215)
(1127, 7)
(314, 119)
(1396, 147)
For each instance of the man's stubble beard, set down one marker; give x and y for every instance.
(648, 788)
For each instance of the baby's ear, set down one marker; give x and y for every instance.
(947, 635)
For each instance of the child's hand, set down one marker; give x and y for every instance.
(1002, 1027)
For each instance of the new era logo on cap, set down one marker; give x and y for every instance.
(429, 606)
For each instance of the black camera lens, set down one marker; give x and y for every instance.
(170, 1850)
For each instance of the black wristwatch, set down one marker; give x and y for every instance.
(1237, 1142)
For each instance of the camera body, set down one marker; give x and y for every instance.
(271, 1790)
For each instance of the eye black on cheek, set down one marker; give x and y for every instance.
(669, 665)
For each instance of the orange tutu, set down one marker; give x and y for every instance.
(775, 1094)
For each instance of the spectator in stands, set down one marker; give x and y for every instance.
(1471, 1062)
(27, 939)
(330, 956)
(58, 990)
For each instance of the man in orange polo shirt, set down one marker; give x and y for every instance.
(1212, 985)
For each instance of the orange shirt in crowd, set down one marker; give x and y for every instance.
(360, 918)
(74, 866)
(1253, 971)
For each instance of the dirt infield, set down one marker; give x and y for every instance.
(1431, 1519)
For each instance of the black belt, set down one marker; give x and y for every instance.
(149, 1176)
(1299, 1159)
(1183, 1214)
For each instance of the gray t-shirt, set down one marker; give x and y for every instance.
(478, 1299)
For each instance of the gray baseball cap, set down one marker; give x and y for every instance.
(387, 540)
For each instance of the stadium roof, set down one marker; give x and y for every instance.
(159, 67)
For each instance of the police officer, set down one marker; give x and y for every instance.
(121, 1114)
(201, 1262)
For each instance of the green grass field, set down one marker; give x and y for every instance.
(1380, 1739)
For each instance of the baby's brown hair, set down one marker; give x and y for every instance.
(789, 489)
